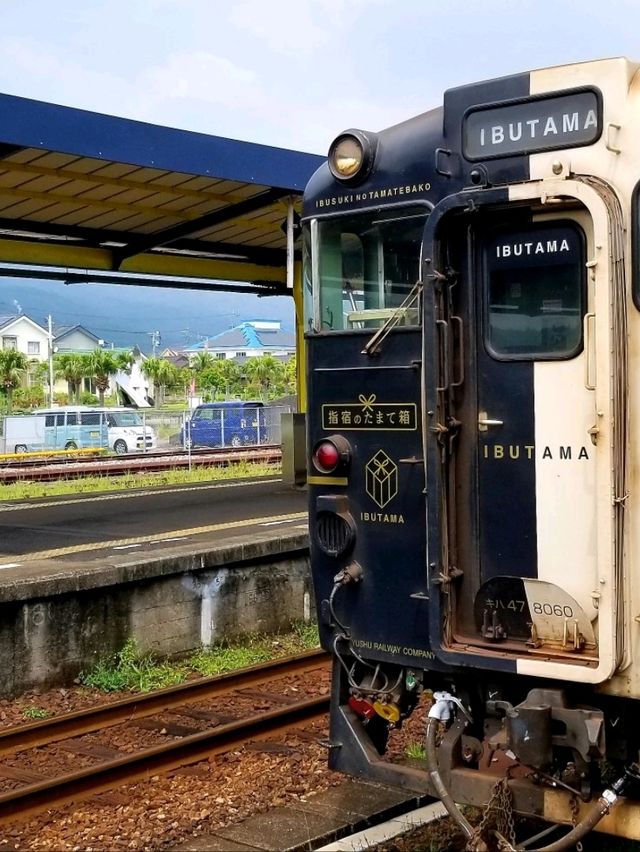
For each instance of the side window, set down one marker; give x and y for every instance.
(59, 419)
(90, 418)
(50, 420)
(72, 419)
(534, 293)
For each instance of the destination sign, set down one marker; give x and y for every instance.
(535, 247)
(542, 124)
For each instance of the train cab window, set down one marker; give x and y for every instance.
(534, 293)
(363, 267)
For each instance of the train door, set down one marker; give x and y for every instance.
(535, 460)
(526, 527)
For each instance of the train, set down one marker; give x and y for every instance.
(471, 290)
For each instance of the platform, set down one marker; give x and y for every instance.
(351, 807)
(59, 616)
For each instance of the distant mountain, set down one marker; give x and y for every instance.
(124, 315)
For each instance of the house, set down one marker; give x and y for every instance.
(176, 357)
(250, 339)
(72, 339)
(28, 337)
(25, 335)
(78, 340)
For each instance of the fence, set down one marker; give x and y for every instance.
(228, 426)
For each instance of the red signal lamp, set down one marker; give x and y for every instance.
(331, 453)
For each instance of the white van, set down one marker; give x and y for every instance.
(127, 431)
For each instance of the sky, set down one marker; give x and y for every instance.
(291, 73)
(288, 73)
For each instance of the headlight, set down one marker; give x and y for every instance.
(351, 155)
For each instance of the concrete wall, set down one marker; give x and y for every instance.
(54, 627)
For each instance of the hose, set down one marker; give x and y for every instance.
(593, 816)
(443, 794)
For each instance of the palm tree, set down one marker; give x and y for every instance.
(103, 365)
(199, 365)
(201, 361)
(162, 374)
(125, 361)
(264, 373)
(72, 368)
(13, 365)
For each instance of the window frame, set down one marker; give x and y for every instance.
(530, 356)
(311, 256)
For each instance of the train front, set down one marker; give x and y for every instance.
(467, 312)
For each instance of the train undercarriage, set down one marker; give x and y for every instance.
(539, 750)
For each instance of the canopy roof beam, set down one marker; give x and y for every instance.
(186, 229)
(68, 276)
(101, 239)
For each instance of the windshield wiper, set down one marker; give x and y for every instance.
(372, 347)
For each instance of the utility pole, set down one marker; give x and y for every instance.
(50, 322)
(155, 341)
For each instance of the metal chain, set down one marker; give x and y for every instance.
(498, 815)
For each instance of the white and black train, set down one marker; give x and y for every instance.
(472, 314)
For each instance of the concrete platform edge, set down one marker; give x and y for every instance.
(46, 578)
(285, 830)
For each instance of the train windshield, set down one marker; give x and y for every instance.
(360, 269)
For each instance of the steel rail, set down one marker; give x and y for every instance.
(54, 792)
(67, 457)
(22, 737)
(116, 465)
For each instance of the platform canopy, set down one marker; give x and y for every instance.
(90, 197)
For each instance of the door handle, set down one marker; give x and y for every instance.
(590, 355)
(444, 349)
(484, 422)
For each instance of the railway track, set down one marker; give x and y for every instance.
(245, 708)
(65, 467)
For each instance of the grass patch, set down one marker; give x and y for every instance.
(36, 713)
(415, 751)
(31, 490)
(253, 650)
(131, 671)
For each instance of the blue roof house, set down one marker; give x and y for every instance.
(250, 339)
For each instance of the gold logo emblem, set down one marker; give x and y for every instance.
(381, 479)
